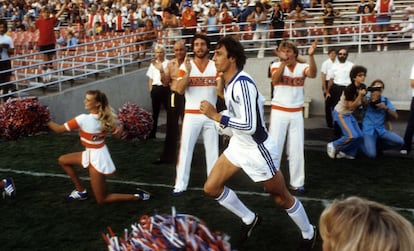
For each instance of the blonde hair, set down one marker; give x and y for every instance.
(356, 224)
(106, 114)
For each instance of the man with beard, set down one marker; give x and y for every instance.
(197, 81)
(338, 77)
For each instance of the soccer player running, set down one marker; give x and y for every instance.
(250, 147)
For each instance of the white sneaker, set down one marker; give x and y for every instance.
(378, 48)
(404, 152)
(385, 48)
(342, 155)
(330, 149)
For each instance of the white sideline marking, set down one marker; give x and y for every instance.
(324, 202)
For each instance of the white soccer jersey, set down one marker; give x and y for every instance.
(241, 97)
(289, 91)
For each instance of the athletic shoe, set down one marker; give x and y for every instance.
(143, 195)
(403, 152)
(246, 230)
(76, 195)
(342, 155)
(308, 245)
(330, 149)
(9, 188)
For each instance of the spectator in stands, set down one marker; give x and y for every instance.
(18, 25)
(160, 91)
(225, 18)
(325, 69)
(378, 111)
(146, 40)
(368, 20)
(133, 19)
(384, 9)
(353, 96)
(246, 12)
(92, 18)
(60, 39)
(6, 50)
(188, 21)
(299, 15)
(28, 23)
(47, 40)
(170, 24)
(329, 15)
(211, 21)
(71, 40)
(119, 21)
(371, 5)
(108, 17)
(409, 130)
(257, 19)
(360, 225)
(285, 5)
(360, 8)
(277, 20)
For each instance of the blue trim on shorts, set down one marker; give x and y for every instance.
(268, 158)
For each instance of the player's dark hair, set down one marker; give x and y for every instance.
(356, 69)
(200, 36)
(234, 49)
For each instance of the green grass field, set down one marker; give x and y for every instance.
(39, 219)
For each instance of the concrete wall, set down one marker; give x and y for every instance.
(393, 67)
(131, 87)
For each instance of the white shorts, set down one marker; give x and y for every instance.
(259, 162)
(100, 159)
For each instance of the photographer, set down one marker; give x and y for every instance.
(376, 113)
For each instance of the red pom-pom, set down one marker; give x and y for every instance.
(137, 121)
(22, 117)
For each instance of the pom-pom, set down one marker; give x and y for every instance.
(137, 122)
(20, 117)
(168, 232)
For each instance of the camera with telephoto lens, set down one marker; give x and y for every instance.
(374, 89)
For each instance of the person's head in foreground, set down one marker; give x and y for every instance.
(356, 224)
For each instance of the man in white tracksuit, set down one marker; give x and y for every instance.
(288, 79)
(197, 80)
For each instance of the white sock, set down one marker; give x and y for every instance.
(229, 200)
(298, 215)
